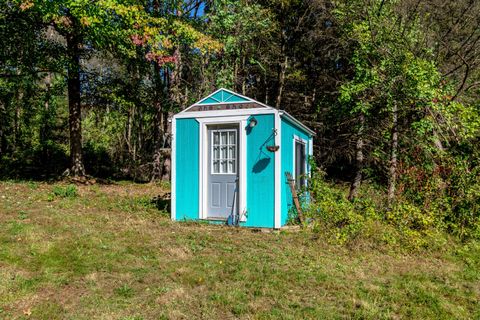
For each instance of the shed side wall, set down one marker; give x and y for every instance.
(187, 166)
(289, 130)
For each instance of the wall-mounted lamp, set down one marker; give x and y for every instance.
(253, 122)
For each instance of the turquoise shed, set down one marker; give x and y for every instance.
(230, 154)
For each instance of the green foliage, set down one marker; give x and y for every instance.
(404, 225)
(68, 191)
(124, 291)
(331, 212)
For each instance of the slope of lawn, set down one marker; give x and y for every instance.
(108, 252)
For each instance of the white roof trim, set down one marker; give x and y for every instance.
(250, 100)
(295, 121)
(224, 113)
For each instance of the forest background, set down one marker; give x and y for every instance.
(390, 87)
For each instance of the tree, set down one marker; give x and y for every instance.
(106, 25)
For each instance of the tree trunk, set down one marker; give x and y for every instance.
(282, 72)
(159, 133)
(167, 167)
(392, 179)
(45, 126)
(281, 82)
(357, 180)
(244, 79)
(2, 124)
(162, 166)
(16, 116)
(74, 104)
(157, 153)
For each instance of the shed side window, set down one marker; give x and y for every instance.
(300, 164)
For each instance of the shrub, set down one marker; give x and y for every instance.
(330, 211)
(408, 216)
(69, 191)
(403, 225)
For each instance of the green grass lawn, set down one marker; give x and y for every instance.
(106, 252)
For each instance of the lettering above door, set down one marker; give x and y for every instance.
(223, 106)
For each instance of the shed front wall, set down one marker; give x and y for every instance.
(186, 141)
(289, 131)
(260, 171)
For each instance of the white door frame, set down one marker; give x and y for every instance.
(241, 121)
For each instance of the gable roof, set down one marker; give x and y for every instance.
(226, 97)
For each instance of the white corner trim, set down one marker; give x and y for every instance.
(224, 113)
(202, 174)
(278, 172)
(310, 153)
(203, 165)
(173, 185)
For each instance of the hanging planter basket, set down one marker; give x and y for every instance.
(273, 148)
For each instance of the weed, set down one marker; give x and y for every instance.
(22, 215)
(33, 185)
(69, 191)
(124, 291)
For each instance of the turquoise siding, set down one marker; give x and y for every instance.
(261, 173)
(289, 130)
(260, 169)
(187, 157)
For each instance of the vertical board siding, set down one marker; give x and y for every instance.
(289, 130)
(187, 166)
(261, 173)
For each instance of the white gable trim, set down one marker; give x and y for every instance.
(296, 122)
(249, 100)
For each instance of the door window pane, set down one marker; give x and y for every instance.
(231, 139)
(224, 166)
(231, 165)
(224, 138)
(231, 152)
(224, 151)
